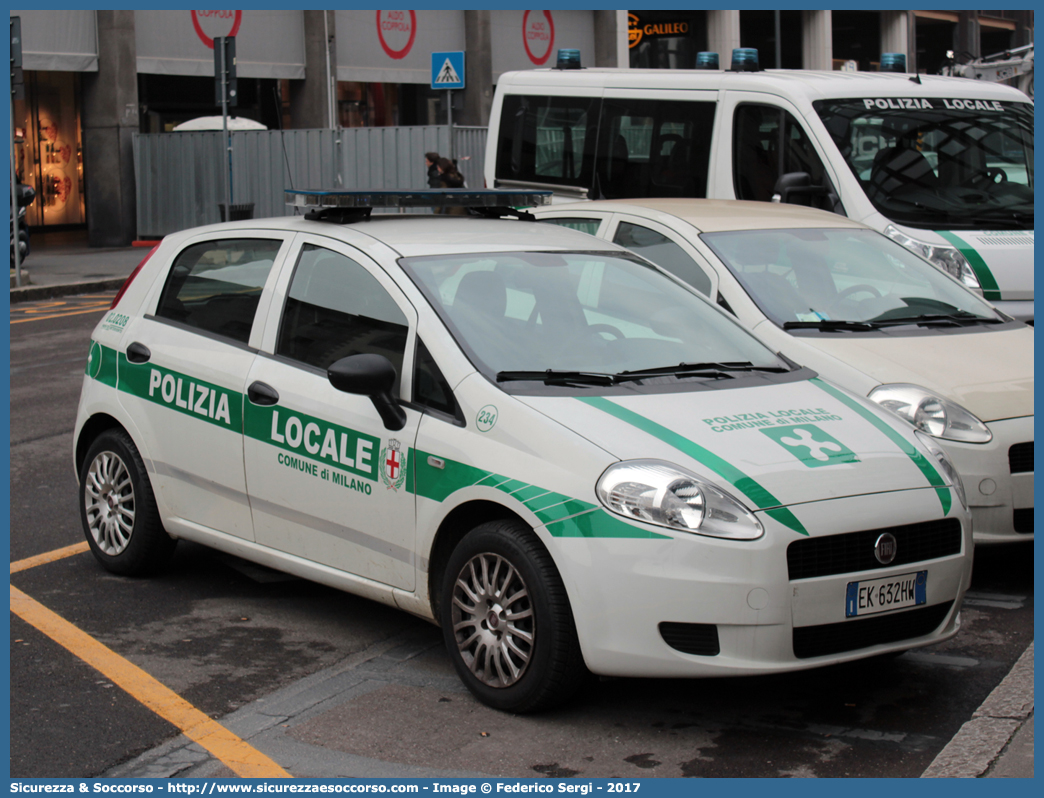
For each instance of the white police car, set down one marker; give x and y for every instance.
(561, 454)
(866, 314)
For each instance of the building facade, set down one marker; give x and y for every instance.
(94, 78)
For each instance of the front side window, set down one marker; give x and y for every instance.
(939, 163)
(336, 308)
(821, 277)
(576, 311)
(216, 286)
(663, 252)
(769, 142)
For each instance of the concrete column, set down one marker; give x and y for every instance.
(478, 70)
(723, 34)
(606, 40)
(817, 43)
(110, 118)
(969, 42)
(894, 32)
(310, 98)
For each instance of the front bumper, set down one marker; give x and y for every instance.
(623, 590)
(996, 479)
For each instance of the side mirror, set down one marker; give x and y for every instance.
(800, 184)
(373, 376)
(24, 195)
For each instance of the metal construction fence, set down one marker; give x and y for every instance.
(180, 177)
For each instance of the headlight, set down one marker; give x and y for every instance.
(663, 494)
(947, 258)
(949, 472)
(931, 414)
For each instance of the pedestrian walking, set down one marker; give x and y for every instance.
(431, 160)
(449, 177)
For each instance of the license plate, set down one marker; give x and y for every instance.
(889, 593)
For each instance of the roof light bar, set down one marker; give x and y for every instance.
(418, 198)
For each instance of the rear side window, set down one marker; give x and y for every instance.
(589, 226)
(653, 148)
(547, 139)
(216, 286)
(336, 308)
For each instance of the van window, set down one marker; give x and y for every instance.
(768, 142)
(932, 163)
(653, 148)
(589, 226)
(547, 139)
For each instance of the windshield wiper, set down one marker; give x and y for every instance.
(555, 377)
(829, 325)
(697, 370)
(960, 319)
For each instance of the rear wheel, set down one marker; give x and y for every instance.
(507, 621)
(118, 508)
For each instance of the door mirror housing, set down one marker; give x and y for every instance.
(373, 376)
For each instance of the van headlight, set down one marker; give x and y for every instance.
(931, 414)
(666, 495)
(950, 473)
(949, 259)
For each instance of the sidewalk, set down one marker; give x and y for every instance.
(998, 741)
(61, 264)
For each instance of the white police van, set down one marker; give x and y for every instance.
(561, 454)
(942, 165)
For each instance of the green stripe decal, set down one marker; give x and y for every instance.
(101, 364)
(756, 492)
(990, 289)
(563, 516)
(919, 460)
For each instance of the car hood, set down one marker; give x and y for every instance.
(772, 446)
(989, 373)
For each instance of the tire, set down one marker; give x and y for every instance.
(531, 664)
(118, 508)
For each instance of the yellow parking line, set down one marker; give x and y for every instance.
(57, 315)
(241, 757)
(50, 556)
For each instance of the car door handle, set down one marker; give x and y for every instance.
(261, 393)
(138, 353)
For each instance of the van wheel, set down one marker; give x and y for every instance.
(118, 509)
(507, 621)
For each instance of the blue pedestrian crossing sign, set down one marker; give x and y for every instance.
(447, 70)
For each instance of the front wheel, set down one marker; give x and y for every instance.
(118, 508)
(507, 621)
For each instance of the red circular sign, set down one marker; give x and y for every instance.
(216, 22)
(395, 24)
(540, 30)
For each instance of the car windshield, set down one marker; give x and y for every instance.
(939, 163)
(596, 313)
(843, 275)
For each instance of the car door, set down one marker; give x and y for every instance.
(184, 368)
(327, 481)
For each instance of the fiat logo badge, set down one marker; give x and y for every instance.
(885, 548)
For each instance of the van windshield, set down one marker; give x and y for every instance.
(939, 163)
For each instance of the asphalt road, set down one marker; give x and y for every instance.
(229, 637)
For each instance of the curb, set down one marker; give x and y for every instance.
(34, 292)
(981, 740)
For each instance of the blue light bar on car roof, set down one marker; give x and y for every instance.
(418, 198)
